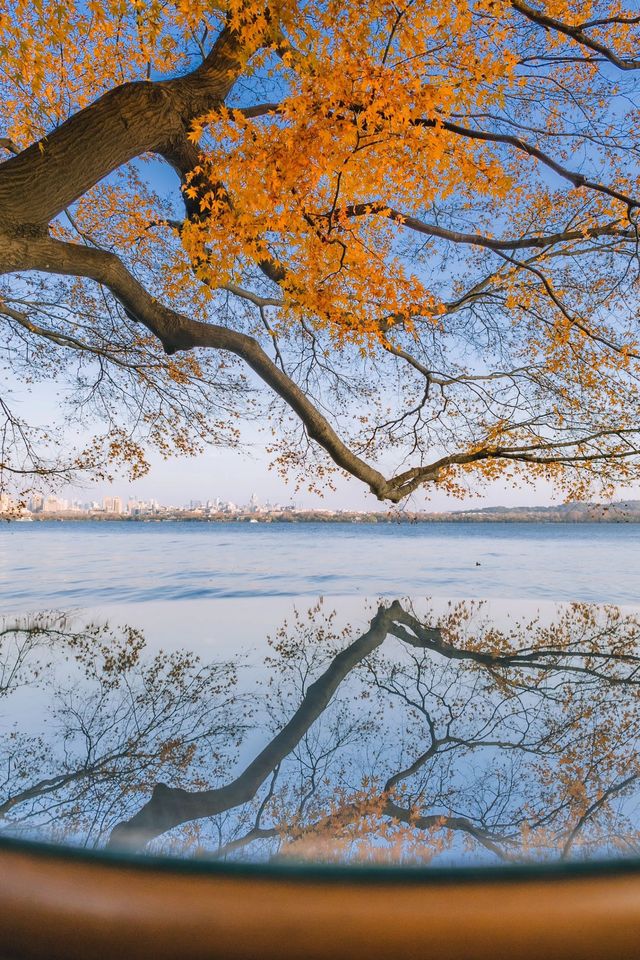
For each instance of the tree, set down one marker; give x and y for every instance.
(419, 217)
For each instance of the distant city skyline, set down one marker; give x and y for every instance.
(52, 508)
(39, 503)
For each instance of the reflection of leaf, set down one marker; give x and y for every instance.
(484, 720)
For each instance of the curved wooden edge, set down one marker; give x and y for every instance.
(54, 907)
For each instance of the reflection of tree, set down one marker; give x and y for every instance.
(115, 723)
(512, 739)
(428, 733)
(553, 708)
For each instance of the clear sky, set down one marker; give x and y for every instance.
(235, 474)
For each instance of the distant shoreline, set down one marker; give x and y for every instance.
(626, 512)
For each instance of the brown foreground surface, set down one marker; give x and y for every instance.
(69, 908)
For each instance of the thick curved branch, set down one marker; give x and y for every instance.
(179, 332)
(131, 119)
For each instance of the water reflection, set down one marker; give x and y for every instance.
(431, 733)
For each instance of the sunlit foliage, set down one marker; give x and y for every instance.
(420, 217)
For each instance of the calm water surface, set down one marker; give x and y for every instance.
(240, 692)
(87, 564)
(420, 732)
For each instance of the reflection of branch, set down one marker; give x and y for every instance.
(457, 702)
(170, 807)
(612, 791)
(543, 658)
(51, 785)
(351, 812)
(430, 821)
(131, 718)
(256, 833)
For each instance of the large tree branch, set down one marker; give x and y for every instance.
(131, 119)
(179, 332)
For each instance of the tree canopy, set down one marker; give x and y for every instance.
(415, 223)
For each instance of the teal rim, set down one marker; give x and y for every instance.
(330, 873)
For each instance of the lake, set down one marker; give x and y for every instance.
(428, 695)
(88, 564)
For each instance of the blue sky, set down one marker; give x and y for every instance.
(235, 474)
